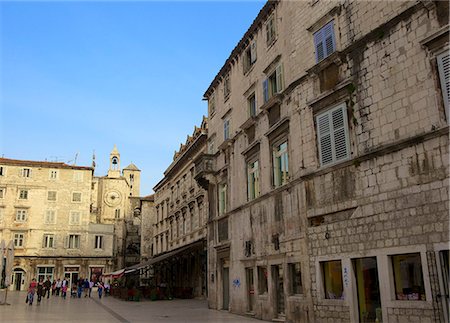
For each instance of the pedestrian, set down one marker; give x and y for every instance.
(64, 290)
(80, 287)
(40, 290)
(53, 287)
(86, 287)
(100, 289)
(58, 286)
(31, 291)
(107, 288)
(91, 284)
(65, 282)
(47, 286)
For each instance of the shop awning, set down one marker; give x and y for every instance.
(115, 274)
(162, 257)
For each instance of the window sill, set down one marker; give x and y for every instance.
(330, 97)
(225, 144)
(274, 100)
(248, 123)
(250, 69)
(334, 57)
(280, 126)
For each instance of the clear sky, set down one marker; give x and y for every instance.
(82, 76)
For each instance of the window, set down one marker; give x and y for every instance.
(21, 215)
(76, 197)
(226, 129)
(48, 241)
(2, 171)
(117, 213)
(324, 41)
(78, 176)
(253, 179)
(53, 174)
(222, 198)
(226, 86)
(332, 279)
(73, 241)
(212, 104)
(408, 277)
(51, 195)
(44, 273)
(23, 195)
(251, 103)
(211, 145)
(273, 84)
(2, 192)
(75, 218)
(19, 239)
(332, 135)
(262, 280)
(249, 57)
(295, 274)
(98, 242)
(50, 217)
(280, 164)
(26, 172)
(270, 30)
(131, 178)
(443, 61)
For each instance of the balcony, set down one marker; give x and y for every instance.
(204, 166)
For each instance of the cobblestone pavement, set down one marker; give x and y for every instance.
(109, 309)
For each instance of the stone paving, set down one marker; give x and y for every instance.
(109, 309)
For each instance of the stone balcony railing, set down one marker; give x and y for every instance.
(204, 166)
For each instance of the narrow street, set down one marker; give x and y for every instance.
(110, 309)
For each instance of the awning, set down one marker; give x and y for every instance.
(115, 274)
(162, 257)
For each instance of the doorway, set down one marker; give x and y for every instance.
(226, 287)
(250, 289)
(368, 289)
(18, 277)
(72, 278)
(277, 275)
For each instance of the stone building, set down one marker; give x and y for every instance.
(45, 210)
(327, 164)
(179, 233)
(65, 221)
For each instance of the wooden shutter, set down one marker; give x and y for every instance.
(279, 75)
(318, 44)
(328, 38)
(340, 133)
(43, 241)
(253, 52)
(324, 138)
(443, 61)
(266, 90)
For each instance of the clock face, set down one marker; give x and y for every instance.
(113, 198)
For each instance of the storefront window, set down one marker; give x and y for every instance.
(408, 277)
(332, 279)
(296, 278)
(44, 272)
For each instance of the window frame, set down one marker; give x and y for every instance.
(226, 87)
(271, 30)
(23, 217)
(263, 276)
(280, 178)
(23, 194)
(323, 281)
(50, 193)
(73, 215)
(444, 82)
(401, 278)
(46, 239)
(249, 57)
(328, 114)
(226, 128)
(53, 174)
(26, 172)
(253, 183)
(292, 280)
(2, 170)
(19, 236)
(2, 192)
(222, 198)
(74, 243)
(273, 84)
(99, 238)
(73, 195)
(47, 218)
(252, 105)
(320, 37)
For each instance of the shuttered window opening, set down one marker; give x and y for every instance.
(332, 135)
(324, 41)
(273, 84)
(443, 61)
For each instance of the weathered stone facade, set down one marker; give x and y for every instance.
(327, 164)
(180, 229)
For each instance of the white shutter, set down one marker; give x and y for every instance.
(253, 52)
(340, 133)
(443, 61)
(324, 138)
(279, 74)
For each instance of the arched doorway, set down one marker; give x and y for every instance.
(18, 278)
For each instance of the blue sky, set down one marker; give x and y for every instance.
(82, 76)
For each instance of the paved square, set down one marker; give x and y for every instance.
(109, 309)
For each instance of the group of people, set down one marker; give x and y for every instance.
(60, 287)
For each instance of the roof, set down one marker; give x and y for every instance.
(132, 167)
(150, 197)
(43, 164)
(262, 15)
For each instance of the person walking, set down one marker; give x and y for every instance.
(64, 287)
(58, 286)
(31, 291)
(86, 287)
(80, 287)
(91, 284)
(47, 286)
(100, 289)
(40, 290)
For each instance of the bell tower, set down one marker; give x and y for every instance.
(114, 163)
